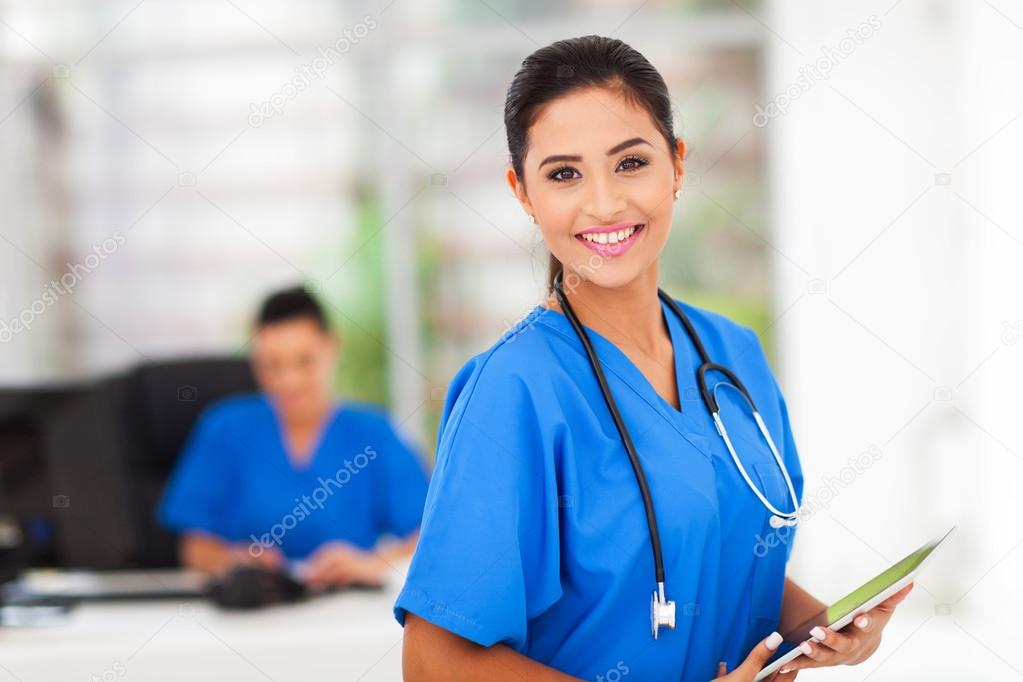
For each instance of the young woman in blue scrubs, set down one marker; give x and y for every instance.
(534, 560)
(290, 478)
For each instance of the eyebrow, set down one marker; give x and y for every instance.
(631, 142)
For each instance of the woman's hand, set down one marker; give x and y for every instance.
(854, 643)
(756, 660)
(339, 563)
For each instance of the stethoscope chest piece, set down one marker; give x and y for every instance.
(662, 611)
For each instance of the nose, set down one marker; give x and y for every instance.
(604, 199)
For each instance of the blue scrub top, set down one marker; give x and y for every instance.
(534, 533)
(235, 480)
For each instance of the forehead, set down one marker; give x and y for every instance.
(299, 330)
(589, 119)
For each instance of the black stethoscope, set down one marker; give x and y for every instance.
(662, 611)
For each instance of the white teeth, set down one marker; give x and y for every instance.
(610, 237)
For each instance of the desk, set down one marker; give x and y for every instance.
(352, 636)
(344, 636)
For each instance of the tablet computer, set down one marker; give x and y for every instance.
(862, 599)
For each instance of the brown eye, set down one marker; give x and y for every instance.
(632, 163)
(563, 174)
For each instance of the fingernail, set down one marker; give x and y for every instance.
(783, 671)
(863, 622)
(773, 641)
(806, 648)
(818, 633)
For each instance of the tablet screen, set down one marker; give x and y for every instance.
(864, 593)
(861, 595)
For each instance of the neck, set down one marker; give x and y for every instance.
(307, 418)
(630, 314)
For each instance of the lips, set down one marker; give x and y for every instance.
(611, 240)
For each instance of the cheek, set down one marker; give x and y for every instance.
(559, 212)
(655, 200)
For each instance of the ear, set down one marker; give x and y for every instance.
(518, 188)
(680, 167)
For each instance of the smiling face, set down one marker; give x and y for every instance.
(599, 179)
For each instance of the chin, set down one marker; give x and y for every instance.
(609, 275)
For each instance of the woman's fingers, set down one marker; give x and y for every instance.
(815, 655)
(833, 640)
(889, 604)
(864, 622)
(760, 655)
(722, 669)
(853, 643)
(882, 613)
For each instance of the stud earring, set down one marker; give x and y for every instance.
(531, 218)
(678, 193)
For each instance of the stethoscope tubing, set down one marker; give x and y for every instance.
(709, 398)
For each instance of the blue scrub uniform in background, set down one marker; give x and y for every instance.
(534, 533)
(235, 480)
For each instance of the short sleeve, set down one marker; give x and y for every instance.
(198, 496)
(401, 490)
(488, 556)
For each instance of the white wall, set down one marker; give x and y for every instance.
(895, 187)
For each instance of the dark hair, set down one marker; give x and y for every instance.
(567, 65)
(291, 304)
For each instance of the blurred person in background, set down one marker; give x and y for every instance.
(291, 478)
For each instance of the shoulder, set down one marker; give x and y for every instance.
(236, 410)
(735, 346)
(717, 330)
(517, 365)
(365, 412)
(358, 416)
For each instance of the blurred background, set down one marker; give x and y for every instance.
(851, 194)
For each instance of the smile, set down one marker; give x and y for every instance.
(609, 241)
